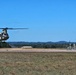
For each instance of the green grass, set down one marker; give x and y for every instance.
(37, 63)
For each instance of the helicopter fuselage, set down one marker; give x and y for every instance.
(4, 35)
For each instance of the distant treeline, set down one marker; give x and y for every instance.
(4, 45)
(61, 44)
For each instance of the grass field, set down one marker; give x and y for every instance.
(37, 63)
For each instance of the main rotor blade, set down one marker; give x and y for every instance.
(13, 28)
(16, 28)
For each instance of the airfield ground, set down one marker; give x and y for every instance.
(34, 50)
(17, 62)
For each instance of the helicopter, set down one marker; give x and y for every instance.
(4, 34)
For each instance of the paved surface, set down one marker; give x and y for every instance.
(34, 50)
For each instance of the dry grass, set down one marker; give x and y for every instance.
(37, 63)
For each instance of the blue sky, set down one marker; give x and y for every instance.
(47, 20)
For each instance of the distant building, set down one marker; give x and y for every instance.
(26, 47)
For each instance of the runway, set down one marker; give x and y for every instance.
(34, 50)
